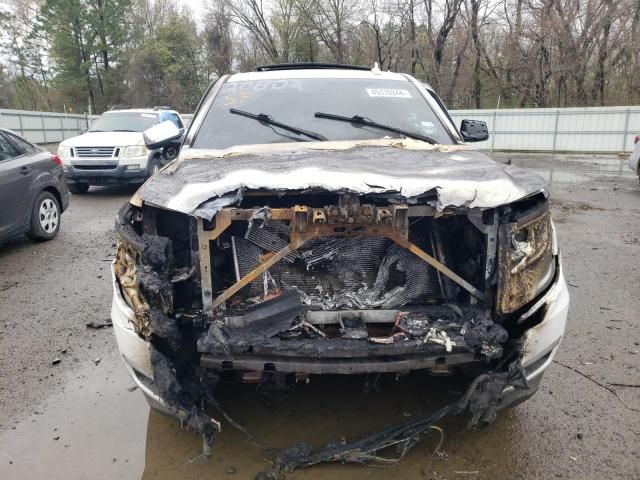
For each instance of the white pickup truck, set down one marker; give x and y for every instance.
(113, 151)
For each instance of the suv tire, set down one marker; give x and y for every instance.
(154, 166)
(78, 188)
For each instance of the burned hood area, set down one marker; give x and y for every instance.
(372, 260)
(204, 180)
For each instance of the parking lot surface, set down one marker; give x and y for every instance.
(67, 409)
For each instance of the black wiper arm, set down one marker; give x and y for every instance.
(267, 120)
(360, 120)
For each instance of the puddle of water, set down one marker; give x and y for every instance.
(107, 432)
(326, 410)
(100, 426)
(573, 170)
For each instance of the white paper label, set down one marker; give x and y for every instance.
(388, 92)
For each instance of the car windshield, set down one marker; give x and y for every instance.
(124, 122)
(295, 102)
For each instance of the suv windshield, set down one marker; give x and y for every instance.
(295, 102)
(124, 122)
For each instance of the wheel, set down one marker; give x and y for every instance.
(78, 188)
(170, 153)
(45, 218)
(154, 166)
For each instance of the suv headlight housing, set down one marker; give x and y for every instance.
(64, 152)
(526, 266)
(135, 151)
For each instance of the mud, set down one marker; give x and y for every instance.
(570, 429)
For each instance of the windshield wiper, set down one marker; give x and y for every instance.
(360, 120)
(124, 130)
(265, 119)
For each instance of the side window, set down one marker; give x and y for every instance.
(176, 119)
(163, 117)
(21, 146)
(6, 150)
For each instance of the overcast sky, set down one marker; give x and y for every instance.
(198, 6)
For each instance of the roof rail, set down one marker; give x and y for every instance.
(162, 107)
(309, 65)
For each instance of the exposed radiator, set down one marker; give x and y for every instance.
(336, 273)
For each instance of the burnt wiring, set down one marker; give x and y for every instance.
(482, 399)
(241, 429)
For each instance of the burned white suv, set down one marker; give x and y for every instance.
(325, 219)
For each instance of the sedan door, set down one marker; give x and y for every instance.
(16, 186)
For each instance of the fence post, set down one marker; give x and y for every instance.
(20, 123)
(44, 130)
(626, 129)
(61, 128)
(555, 130)
(495, 120)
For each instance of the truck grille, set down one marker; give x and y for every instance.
(96, 167)
(97, 152)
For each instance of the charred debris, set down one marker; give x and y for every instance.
(282, 285)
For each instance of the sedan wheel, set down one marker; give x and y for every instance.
(45, 218)
(49, 216)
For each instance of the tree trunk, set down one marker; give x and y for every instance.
(473, 21)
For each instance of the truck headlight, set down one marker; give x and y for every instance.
(526, 266)
(135, 151)
(64, 152)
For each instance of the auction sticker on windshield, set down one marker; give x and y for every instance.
(388, 92)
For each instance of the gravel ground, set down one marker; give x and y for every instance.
(78, 419)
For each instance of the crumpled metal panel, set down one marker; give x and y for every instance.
(460, 178)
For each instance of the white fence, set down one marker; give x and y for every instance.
(44, 127)
(594, 129)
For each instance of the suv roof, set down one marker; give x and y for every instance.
(141, 110)
(326, 71)
(309, 65)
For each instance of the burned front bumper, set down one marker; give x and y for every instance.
(541, 342)
(540, 345)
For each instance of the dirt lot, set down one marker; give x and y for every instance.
(79, 419)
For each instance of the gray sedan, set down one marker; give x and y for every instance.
(33, 193)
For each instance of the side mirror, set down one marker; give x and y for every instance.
(161, 135)
(474, 131)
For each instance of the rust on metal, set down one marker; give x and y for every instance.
(347, 220)
(253, 274)
(417, 251)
